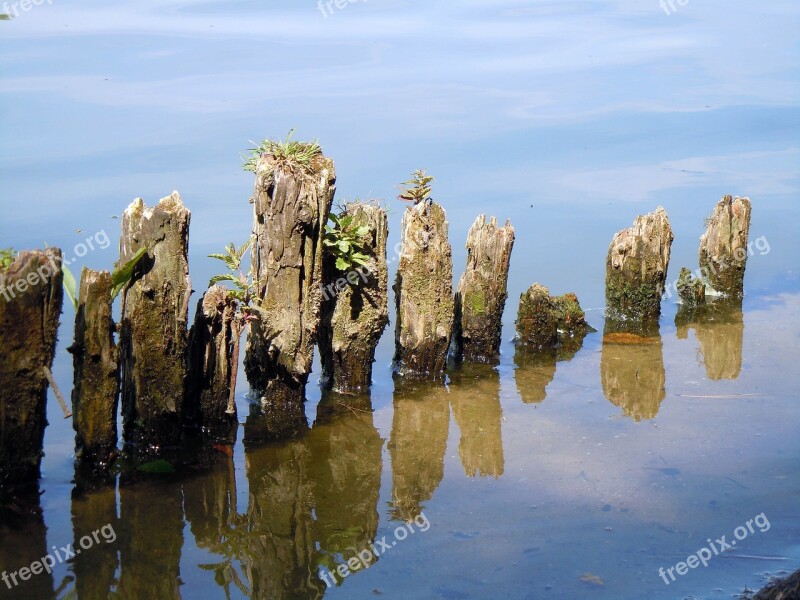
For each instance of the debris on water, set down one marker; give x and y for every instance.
(592, 579)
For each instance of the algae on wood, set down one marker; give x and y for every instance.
(636, 267)
(355, 305)
(545, 321)
(30, 305)
(423, 292)
(692, 291)
(482, 292)
(96, 375)
(153, 337)
(291, 205)
(211, 344)
(723, 246)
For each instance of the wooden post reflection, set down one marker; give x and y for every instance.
(719, 328)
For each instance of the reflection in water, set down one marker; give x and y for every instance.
(719, 328)
(536, 368)
(475, 399)
(23, 539)
(419, 439)
(95, 570)
(632, 368)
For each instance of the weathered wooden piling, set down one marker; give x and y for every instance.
(153, 336)
(291, 203)
(636, 267)
(482, 292)
(211, 348)
(95, 360)
(691, 290)
(723, 246)
(355, 303)
(545, 321)
(30, 305)
(423, 292)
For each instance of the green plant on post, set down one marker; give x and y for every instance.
(7, 257)
(120, 277)
(345, 241)
(248, 304)
(290, 153)
(418, 188)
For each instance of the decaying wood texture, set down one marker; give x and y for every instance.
(30, 307)
(153, 337)
(211, 343)
(723, 246)
(636, 267)
(355, 306)
(95, 360)
(423, 292)
(291, 204)
(692, 291)
(482, 292)
(545, 321)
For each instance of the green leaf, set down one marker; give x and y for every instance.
(222, 277)
(342, 264)
(122, 275)
(69, 286)
(362, 231)
(344, 246)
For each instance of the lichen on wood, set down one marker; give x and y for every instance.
(153, 336)
(355, 305)
(482, 292)
(636, 267)
(723, 246)
(30, 305)
(95, 359)
(291, 205)
(423, 292)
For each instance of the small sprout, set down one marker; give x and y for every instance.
(345, 241)
(7, 256)
(418, 188)
(290, 153)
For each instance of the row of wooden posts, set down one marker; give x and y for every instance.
(172, 379)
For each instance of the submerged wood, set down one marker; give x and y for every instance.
(355, 306)
(211, 343)
(423, 292)
(545, 321)
(636, 267)
(482, 292)
(95, 361)
(723, 246)
(291, 204)
(153, 336)
(30, 305)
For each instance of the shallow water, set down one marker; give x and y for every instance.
(575, 475)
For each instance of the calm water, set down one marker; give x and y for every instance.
(578, 475)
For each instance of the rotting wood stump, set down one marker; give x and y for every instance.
(95, 361)
(691, 290)
(636, 267)
(723, 246)
(153, 335)
(30, 306)
(211, 344)
(545, 321)
(291, 204)
(482, 292)
(355, 305)
(423, 292)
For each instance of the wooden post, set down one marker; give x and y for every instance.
(96, 376)
(423, 292)
(153, 338)
(481, 295)
(291, 205)
(723, 247)
(545, 321)
(30, 305)
(211, 343)
(355, 306)
(636, 267)
(691, 291)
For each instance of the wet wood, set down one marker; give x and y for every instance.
(423, 292)
(355, 306)
(723, 246)
(636, 267)
(30, 306)
(482, 292)
(153, 338)
(545, 321)
(691, 290)
(95, 361)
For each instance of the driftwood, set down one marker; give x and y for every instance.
(30, 305)
(423, 292)
(723, 246)
(96, 375)
(355, 306)
(291, 204)
(211, 343)
(481, 294)
(153, 337)
(636, 267)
